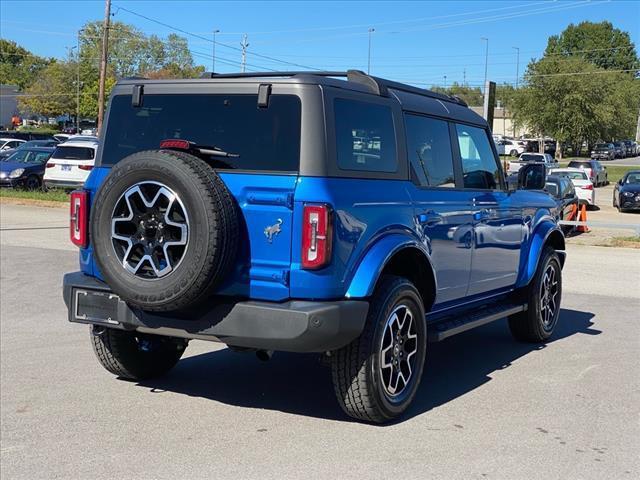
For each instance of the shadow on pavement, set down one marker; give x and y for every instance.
(299, 384)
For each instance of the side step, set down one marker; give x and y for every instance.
(450, 326)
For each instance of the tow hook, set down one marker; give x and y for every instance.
(98, 330)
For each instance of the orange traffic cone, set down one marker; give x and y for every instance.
(574, 213)
(583, 218)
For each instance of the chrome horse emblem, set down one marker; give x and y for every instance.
(273, 230)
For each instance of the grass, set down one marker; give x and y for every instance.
(629, 242)
(37, 195)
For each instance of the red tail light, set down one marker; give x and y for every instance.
(176, 143)
(51, 165)
(316, 236)
(588, 187)
(79, 223)
(85, 167)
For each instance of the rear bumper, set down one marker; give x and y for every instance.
(63, 184)
(295, 326)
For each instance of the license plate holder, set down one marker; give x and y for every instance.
(96, 306)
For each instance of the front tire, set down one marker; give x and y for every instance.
(135, 356)
(543, 295)
(377, 375)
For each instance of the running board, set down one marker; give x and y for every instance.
(453, 325)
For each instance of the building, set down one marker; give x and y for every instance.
(8, 104)
(502, 122)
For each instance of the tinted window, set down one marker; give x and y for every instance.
(579, 164)
(429, 151)
(74, 153)
(527, 157)
(29, 156)
(479, 166)
(262, 138)
(365, 137)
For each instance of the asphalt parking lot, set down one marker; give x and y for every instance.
(488, 407)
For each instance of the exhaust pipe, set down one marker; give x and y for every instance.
(264, 355)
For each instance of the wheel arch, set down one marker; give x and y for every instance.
(395, 255)
(547, 234)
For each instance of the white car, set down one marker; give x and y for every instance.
(581, 182)
(514, 165)
(9, 143)
(70, 164)
(510, 147)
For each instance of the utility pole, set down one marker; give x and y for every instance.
(371, 30)
(244, 46)
(517, 79)
(213, 62)
(78, 85)
(103, 61)
(486, 60)
(445, 82)
(517, 65)
(464, 77)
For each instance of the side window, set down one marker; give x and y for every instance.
(429, 151)
(479, 167)
(365, 136)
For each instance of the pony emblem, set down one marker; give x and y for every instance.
(273, 230)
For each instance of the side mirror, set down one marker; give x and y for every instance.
(620, 182)
(532, 176)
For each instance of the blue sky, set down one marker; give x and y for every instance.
(416, 42)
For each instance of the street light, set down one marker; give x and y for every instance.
(371, 30)
(78, 84)
(213, 62)
(486, 60)
(517, 65)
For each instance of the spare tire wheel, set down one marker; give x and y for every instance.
(164, 229)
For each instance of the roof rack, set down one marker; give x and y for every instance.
(376, 85)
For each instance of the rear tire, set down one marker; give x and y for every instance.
(32, 182)
(389, 354)
(543, 296)
(135, 356)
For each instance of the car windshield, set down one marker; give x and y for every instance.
(602, 146)
(28, 156)
(260, 138)
(633, 178)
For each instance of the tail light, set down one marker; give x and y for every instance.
(588, 187)
(175, 143)
(51, 165)
(78, 224)
(316, 236)
(85, 167)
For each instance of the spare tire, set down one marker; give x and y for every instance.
(164, 230)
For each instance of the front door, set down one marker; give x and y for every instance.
(497, 220)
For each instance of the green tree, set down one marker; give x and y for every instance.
(18, 66)
(51, 94)
(599, 43)
(471, 95)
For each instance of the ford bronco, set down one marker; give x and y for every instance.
(329, 212)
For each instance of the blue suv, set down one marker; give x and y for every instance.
(326, 212)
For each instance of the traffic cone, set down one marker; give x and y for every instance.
(574, 213)
(583, 218)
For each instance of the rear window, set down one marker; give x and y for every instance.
(579, 164)
(572, 175)
(552, 188)
(262, 138)
(365, 136)
(531, 158)
(74, 153)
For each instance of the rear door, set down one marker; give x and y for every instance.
(443, 211)
(260, 170)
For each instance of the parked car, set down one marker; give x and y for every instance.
(345, 241)
(626, 192)
(510, 147)
(515, 165)
(70, 164)
(562, 190)
(604, 151)
(632, 148)
(581, 183)
(621, 149)
(25, 168)
(28, 144)
(594, 170)
(10, 143)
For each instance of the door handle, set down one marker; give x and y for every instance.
(430, 218)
